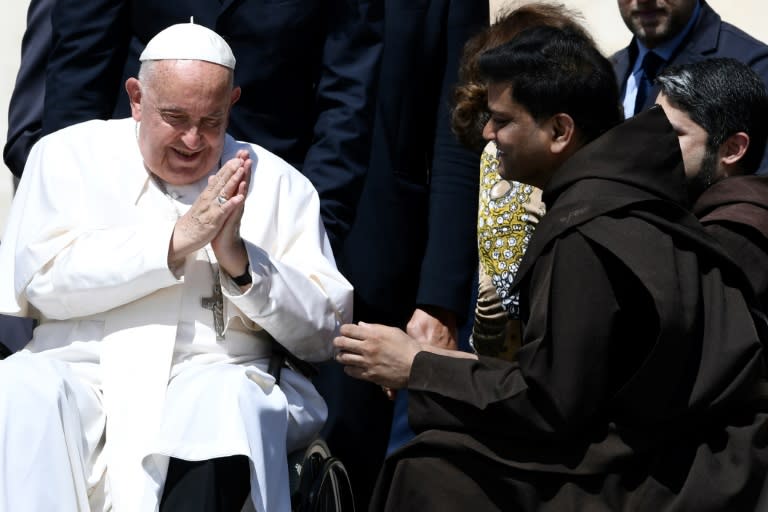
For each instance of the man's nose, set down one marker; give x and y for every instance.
(191, 137)
(488, 132)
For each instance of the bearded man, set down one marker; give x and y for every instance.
(719, 109)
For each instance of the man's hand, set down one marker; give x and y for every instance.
(212, 218)
(434, 326)
(227, 244)
(376, 353)
(383, 355)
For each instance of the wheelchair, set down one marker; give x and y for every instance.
(319, 481)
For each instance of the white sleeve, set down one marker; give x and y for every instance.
(71, 258)
(297, 295)
(102, 269)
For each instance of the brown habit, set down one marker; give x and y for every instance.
(639, 385)
(735, 212)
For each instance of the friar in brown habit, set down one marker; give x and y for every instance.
(640, 382)
(719, 109)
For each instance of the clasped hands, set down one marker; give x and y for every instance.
(215, 218)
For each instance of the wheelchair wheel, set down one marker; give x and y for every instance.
(323, 484)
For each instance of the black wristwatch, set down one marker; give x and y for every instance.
(245, 278)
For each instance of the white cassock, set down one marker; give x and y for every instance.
(125, 369)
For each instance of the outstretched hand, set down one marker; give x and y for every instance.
(376, 353)
(215, 217)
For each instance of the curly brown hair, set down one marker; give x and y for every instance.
(470, 110)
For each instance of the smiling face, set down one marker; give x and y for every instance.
(655, 21)
(183, 107)
(524, 144)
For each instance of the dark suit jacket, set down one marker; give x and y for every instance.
(25, 110)
(709, 38)
(306, 67)
(15, 332)
(414, 238)
(413, 241)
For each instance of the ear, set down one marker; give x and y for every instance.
(235, 96)
(563, 132)
(732, 151)
(133, 87)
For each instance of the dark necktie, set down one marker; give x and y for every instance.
(650, 68)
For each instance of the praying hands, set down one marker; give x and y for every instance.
(215, 218)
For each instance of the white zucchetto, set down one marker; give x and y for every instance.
(188, 41)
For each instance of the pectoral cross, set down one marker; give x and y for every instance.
(216, 304)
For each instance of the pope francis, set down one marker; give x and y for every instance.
(162, 260)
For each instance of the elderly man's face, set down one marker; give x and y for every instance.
(184, 111)
(656, 21)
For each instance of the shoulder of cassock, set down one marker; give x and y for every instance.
(64, 168)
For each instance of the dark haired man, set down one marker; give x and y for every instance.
(719, 109)
(635, 387)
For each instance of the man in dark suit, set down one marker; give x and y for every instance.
(412, 250)
(677, 32)
(25, 110)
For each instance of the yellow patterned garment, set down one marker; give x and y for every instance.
(508, 212)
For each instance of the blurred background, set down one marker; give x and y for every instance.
(600, 16)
